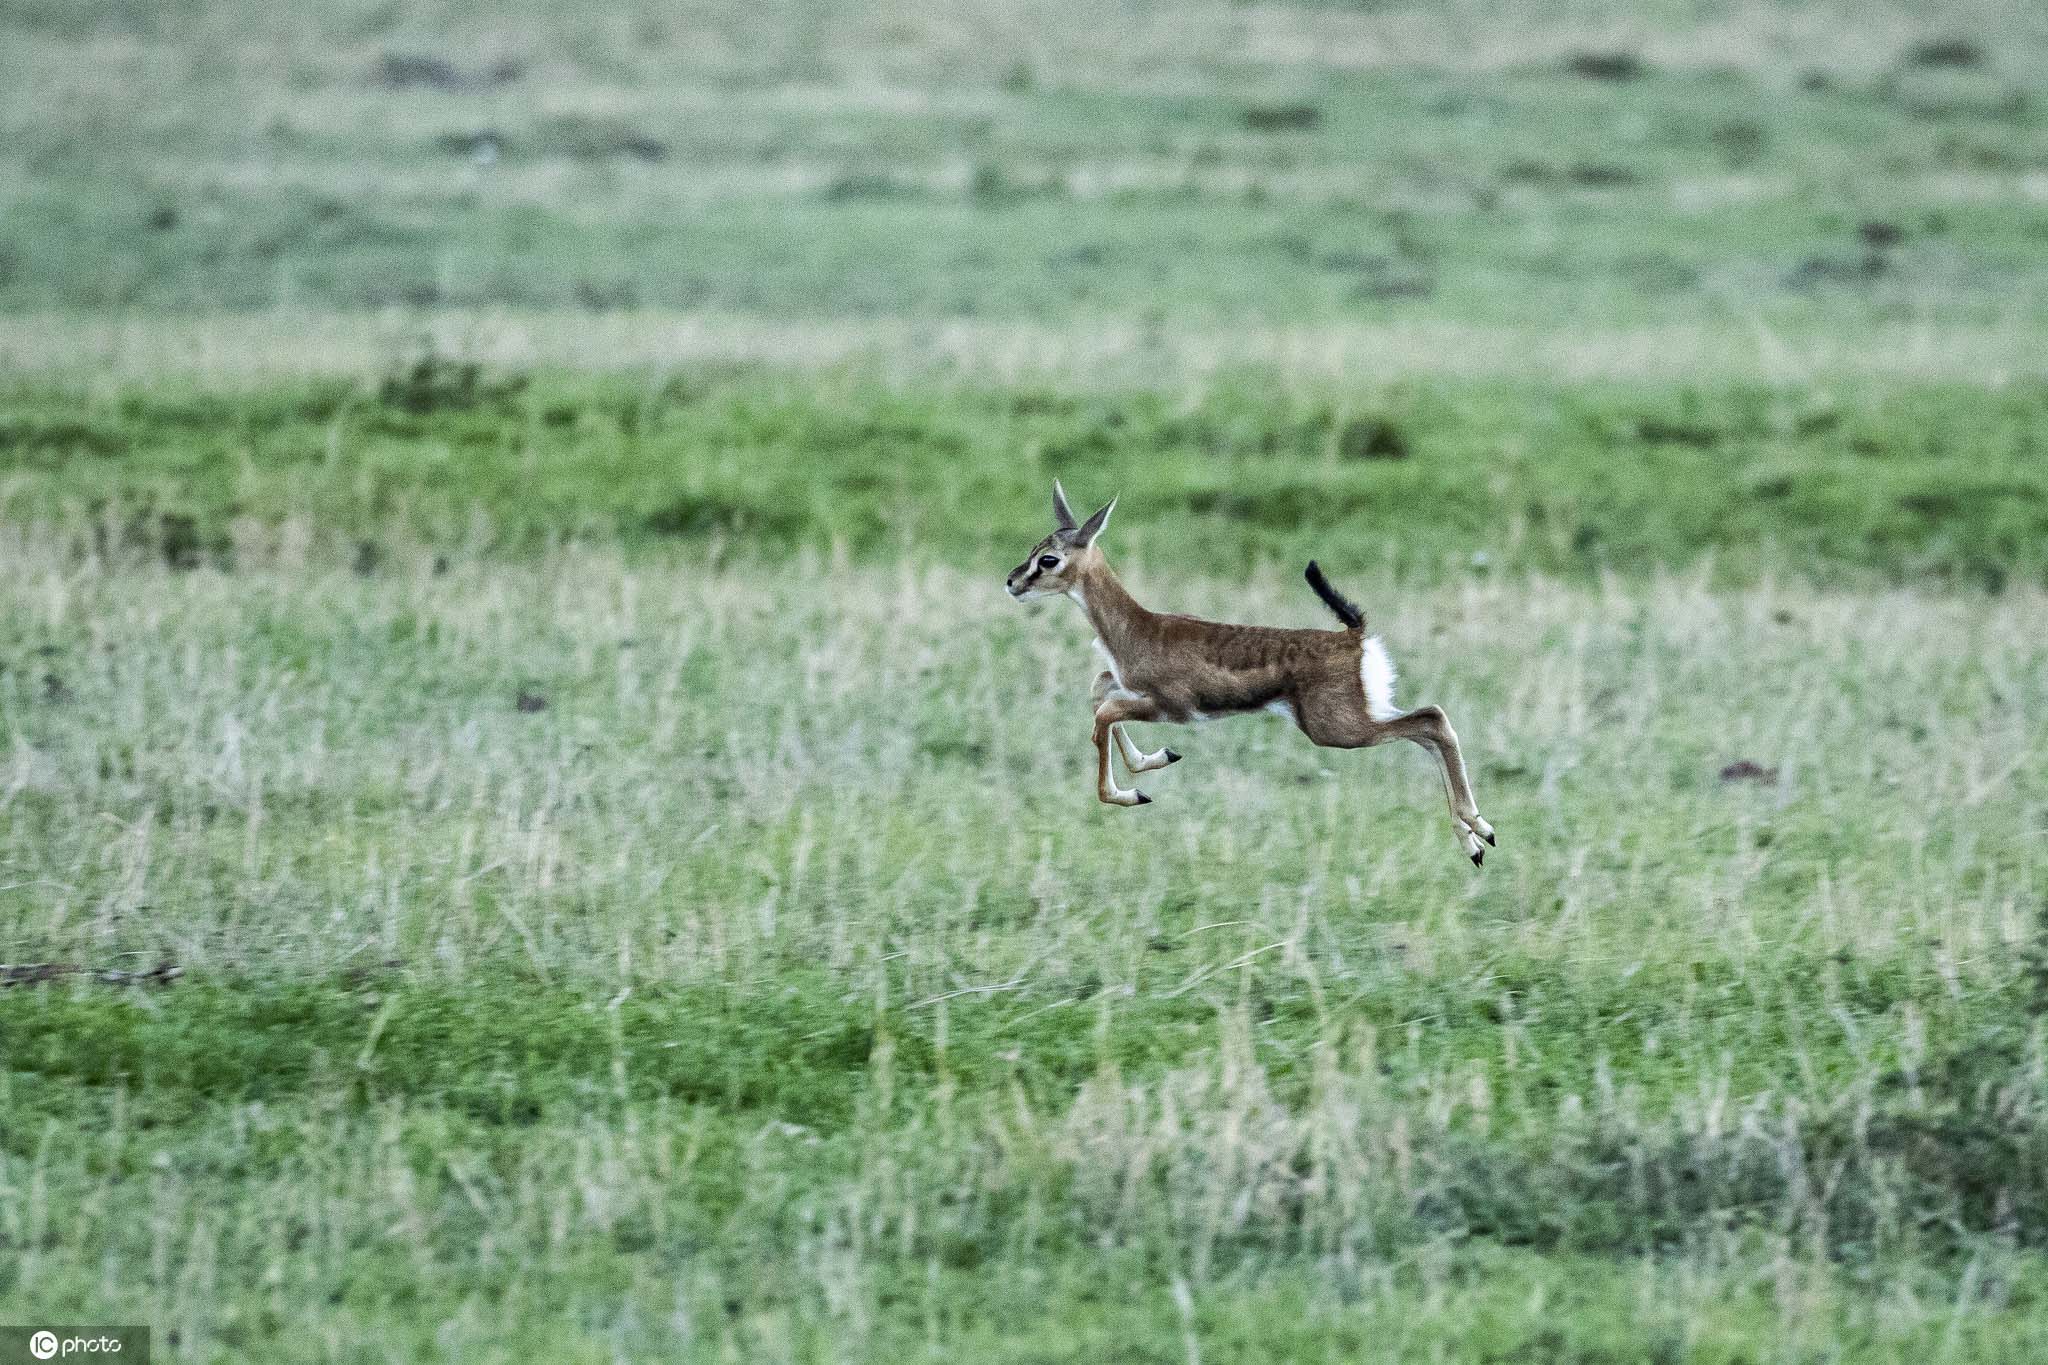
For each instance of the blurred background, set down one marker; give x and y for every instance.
(1763, 187)
(1576, 286)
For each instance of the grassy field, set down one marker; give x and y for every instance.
(1867, 483)
(592, 958)
(530, 831)
(1817, 167)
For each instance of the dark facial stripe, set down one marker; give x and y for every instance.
(1032, 565)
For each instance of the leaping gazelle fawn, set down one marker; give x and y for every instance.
(1336, 685)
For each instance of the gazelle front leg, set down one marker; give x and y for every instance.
(1136, 759)
(1108, 714)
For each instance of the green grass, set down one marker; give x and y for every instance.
(806, 160)
(693, 1012)
(1899, 482)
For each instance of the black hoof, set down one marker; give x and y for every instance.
(1144, 800)
(1490, 839)
(1479, 858)
(1172, 757)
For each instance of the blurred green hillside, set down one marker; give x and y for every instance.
(1939, 484)
(1810, 167)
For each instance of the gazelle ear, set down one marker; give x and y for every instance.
(1092, 527)
(1062, 515)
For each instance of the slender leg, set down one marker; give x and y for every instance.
(1462, 804)
(1135, 758)
(1107, 716)
(1429, 728)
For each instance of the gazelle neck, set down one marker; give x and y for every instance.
(1111, 609)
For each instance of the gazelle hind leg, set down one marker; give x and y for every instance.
(1463, 808)
(1428, 727)
(1135, 758)
(1468, 838)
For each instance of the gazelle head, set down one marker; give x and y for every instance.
(1057, 563)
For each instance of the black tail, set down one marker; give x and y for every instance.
(1351, 616)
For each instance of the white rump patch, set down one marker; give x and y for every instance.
(1376, 671)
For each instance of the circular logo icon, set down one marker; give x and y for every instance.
(43, 1345)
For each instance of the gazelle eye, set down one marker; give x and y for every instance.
(1048, 561)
